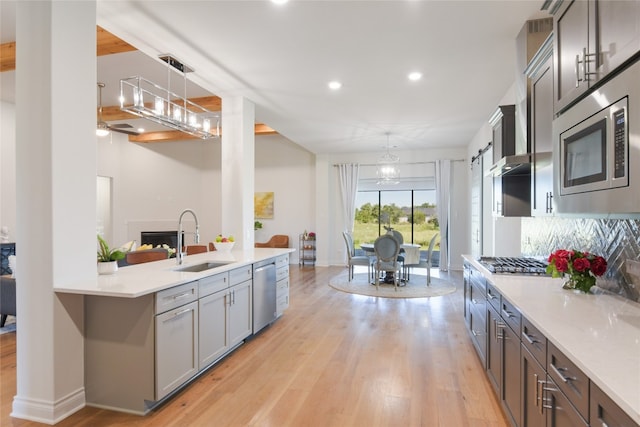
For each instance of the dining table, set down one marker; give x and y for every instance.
(411, 256)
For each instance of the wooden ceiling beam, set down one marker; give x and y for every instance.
(112, 113)
(176, 135)
(106, 44)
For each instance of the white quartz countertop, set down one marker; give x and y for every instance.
(600, 332)
(141, 279)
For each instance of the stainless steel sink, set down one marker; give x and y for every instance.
(195, 268)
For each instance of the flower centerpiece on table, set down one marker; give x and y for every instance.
(582, 268)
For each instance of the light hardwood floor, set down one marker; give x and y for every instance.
(333, 359)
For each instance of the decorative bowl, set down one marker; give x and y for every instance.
(224, 246)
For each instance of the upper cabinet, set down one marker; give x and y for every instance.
(540, 73)
(592, 39)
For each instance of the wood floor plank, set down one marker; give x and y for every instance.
(333, 359)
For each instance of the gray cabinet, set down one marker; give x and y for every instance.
(282, 284)
(537, 384)
(212, 310)
(176, 348)
(533, 381)
(604, 412)
(593, 39)
(503, 352)
(240, 310)
(540, 73)
(475, 309)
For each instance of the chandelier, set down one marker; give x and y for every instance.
(388, 170)
(148, 100)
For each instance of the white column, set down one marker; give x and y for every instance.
(238, 170)
(56, 205)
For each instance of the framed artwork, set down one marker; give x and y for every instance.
(263, 205)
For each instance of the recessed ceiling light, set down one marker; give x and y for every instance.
(414, 76)
(335, 85)
(279, 1)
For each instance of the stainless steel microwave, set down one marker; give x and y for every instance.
(596, 150)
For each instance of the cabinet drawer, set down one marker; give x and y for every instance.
(282, 260)
(282, 287)
(511, 315)
(478, 281)
(176, 296)
(571, 380)
(282, 272)
(493, 296)
(534, 341)
(212, 284)
(282, 303)
(240, 275)
(560, 412)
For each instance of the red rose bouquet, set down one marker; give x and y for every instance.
(582, 268)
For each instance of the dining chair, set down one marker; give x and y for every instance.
(386, 248)
(400, 238)
(139, 257)
(195, 249)
(424, 262)
(354, 259)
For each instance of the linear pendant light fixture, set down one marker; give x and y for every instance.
(148, 100)
(388, 170)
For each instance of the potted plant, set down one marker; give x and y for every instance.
(108, 258)
(257, 225)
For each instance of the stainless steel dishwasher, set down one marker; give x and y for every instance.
(264, 294)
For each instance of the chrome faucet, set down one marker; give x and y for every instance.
(179, 254)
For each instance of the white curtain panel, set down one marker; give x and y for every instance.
(443, 189)
(348, 177)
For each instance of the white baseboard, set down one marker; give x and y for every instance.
(47, 412)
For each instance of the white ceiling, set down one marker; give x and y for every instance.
(282, 56)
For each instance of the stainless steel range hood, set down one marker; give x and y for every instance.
(517, 164)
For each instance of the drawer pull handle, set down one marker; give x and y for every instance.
(507, 314)
(559, 374)
(182, 295)
(529, 339)
(181, 312)
(491, 296)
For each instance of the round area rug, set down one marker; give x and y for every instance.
(415, 288)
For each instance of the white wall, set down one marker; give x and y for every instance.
(8, 168)
(501, 236)
(153, 183)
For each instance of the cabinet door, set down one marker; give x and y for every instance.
(560, 412)
(240, 320)
(541, 145)
(176, 348)
(533, 380)
(213, 328)
(618, 31)
(511, 384)
(495, 328)
(604, 412)
(571, 40)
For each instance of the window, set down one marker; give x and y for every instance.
(411, 212)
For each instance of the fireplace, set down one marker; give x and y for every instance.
(156, 238)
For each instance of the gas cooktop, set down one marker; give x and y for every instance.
(514, 265)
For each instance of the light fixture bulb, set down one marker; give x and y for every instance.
(335, 85)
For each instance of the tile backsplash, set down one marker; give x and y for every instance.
(617, 240)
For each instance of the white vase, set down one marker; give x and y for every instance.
(107, 267)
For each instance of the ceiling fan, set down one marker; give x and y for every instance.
(103, 128)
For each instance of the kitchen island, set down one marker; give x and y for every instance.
(152, 328)
(599, 333)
